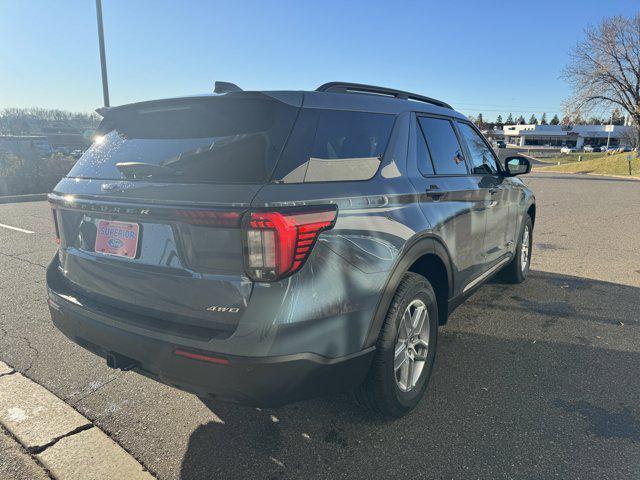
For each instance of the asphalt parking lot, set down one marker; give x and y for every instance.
(538, 380)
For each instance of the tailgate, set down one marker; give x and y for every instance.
(173, 263)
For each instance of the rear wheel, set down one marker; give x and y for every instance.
(516, 271)
(405, 350)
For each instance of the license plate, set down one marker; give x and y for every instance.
(117, 238)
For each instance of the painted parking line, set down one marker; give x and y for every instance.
(15, 228)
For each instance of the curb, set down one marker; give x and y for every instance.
(35, 197)
(16, 463)
(66, 443)
(619, 177)
(628, 177)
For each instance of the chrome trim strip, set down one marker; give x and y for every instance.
(492, 270)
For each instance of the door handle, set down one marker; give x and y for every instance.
(434, 192)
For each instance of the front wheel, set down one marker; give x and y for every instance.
(516, 271)
(405, 351)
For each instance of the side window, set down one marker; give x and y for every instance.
(483, 160)
(445, 150)
(423, 157)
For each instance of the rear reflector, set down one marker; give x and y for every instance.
(279, 242)
(55, 225)
(204, 358)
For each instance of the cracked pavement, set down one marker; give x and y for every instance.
(538, 380)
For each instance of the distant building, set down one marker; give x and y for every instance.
(24, 144)
(49, 143)
(563, 135)
(67, 142)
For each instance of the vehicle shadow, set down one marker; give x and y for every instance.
(531, 381)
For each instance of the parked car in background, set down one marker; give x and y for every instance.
(264, 247)
(615, 150)
(77, 153)
(501, 144)
(591, 148)
(568, 150)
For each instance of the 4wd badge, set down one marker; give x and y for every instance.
(216, 308)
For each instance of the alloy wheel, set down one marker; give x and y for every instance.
(412, 345)
(524, 250)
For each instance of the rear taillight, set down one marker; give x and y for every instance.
(277, 243)
(55, 225)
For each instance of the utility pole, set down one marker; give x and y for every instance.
(103, 60)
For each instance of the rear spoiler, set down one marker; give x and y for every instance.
(290, 97)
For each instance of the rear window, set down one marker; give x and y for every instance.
(230, 139)
(334, 145)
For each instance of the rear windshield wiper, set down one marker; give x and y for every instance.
(145, 170)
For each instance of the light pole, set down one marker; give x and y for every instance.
(609, 131)
(103, 60)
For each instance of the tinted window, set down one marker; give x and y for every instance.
(235, 139)
(423, 157)
(333, 145)
(444, 148)
(482, 157)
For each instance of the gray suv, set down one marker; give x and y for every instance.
(263, 247)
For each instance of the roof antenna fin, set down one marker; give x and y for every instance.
(226, 87)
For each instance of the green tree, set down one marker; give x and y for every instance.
(480, 121)
(510, 120)
(30, 173)
(499, 120)
(533, 120)
(555, 120)
(520, 120)
(543, 120)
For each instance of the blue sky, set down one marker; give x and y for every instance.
(481, 56)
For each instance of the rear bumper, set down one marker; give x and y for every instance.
(256, 381)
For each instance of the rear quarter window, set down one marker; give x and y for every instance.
(334, 145)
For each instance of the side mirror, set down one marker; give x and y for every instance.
(517, 166)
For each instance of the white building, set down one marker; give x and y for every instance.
(564, 135)
(21, 144)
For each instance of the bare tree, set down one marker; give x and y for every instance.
(628, 137)
(604, 70)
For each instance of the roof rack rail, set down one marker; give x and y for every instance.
(346, 87)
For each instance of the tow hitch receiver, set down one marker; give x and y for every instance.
(120, 362)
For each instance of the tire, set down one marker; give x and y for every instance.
(390, 392)
(514, 272)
